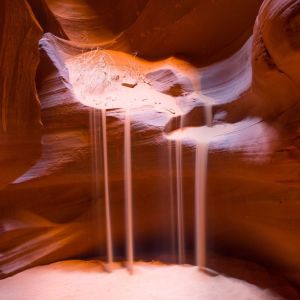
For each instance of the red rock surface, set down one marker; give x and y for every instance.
(19, 58)
(47, 212)
(19, 104)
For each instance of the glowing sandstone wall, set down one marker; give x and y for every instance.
(253, 184)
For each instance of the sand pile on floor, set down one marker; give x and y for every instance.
(81, 280)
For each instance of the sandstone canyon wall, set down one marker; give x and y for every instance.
(178, 52)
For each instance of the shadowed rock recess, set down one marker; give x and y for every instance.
(60, 60)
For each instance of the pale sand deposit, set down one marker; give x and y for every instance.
(80, 280)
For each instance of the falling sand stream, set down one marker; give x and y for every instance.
(100, 154)
(106, 79)
(128, 193)
(179, 200)
(108, 224)
(201, 156)
(97, 170)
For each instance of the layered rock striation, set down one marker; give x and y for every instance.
(91, 59)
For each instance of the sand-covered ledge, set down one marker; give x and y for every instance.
(86, 280)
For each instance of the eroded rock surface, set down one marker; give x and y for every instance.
(253, 182)
(19, 106)
(19, 58)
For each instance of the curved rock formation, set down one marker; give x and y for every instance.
(19, 55)
(253, 184)
(46, 18)
(154, 29)
(19, 105)
(276, 56)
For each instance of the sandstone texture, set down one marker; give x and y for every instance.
(61, 62)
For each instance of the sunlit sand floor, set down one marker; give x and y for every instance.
(81, 280)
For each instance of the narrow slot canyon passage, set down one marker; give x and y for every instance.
(149, 149)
